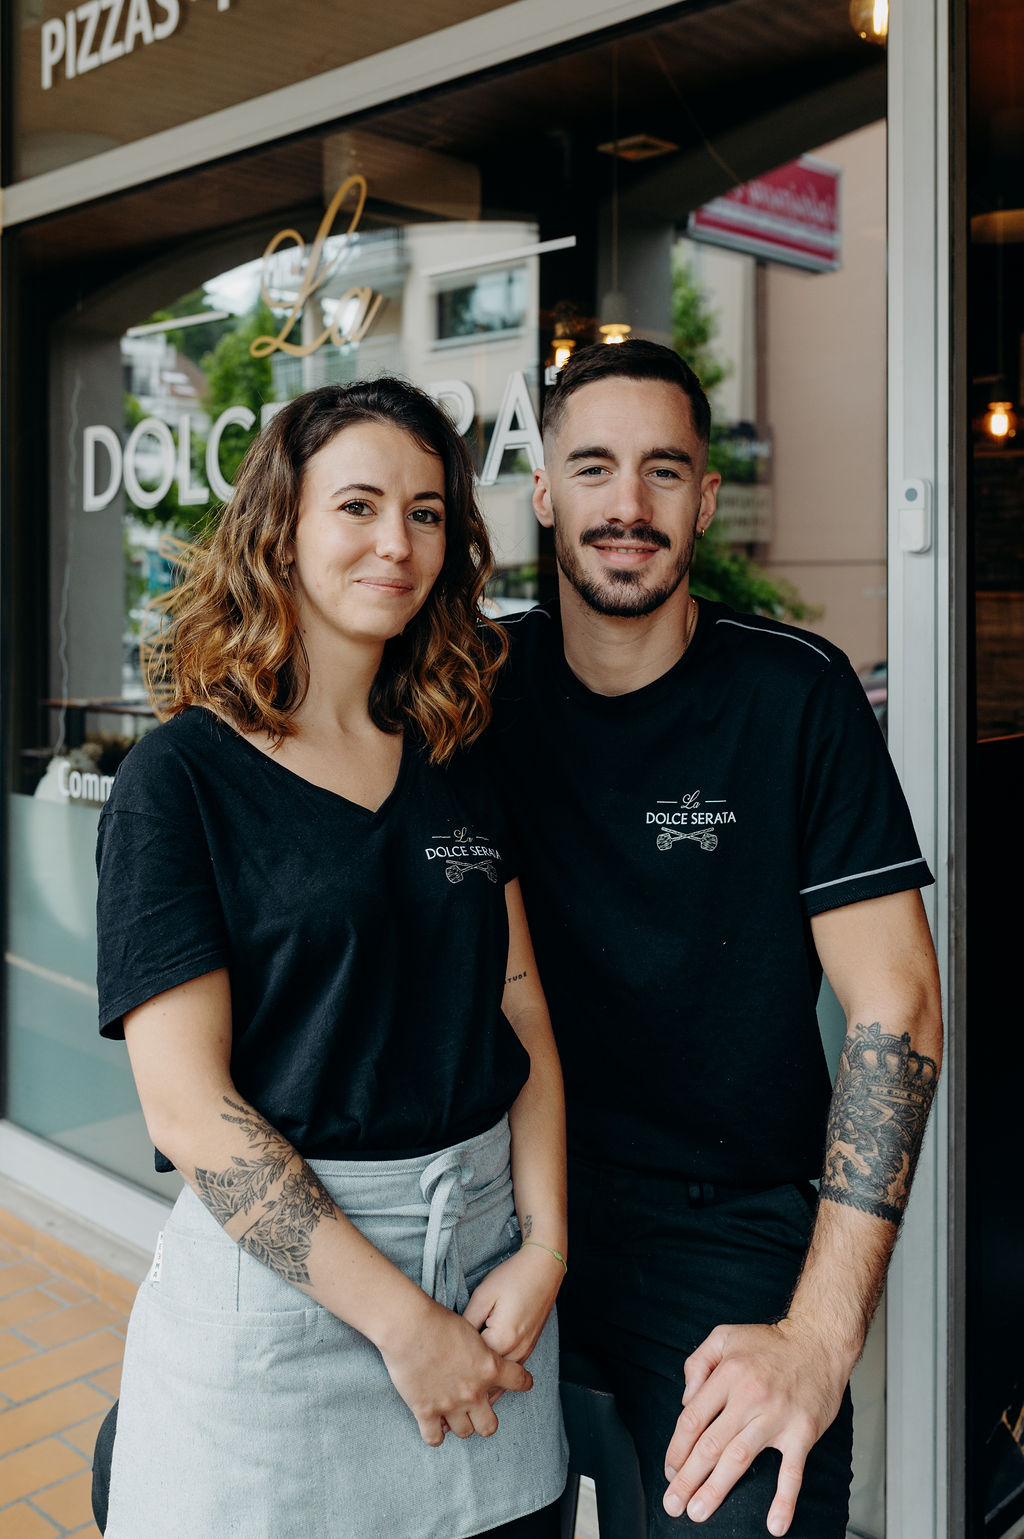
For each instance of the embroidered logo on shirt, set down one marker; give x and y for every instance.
(684, 818)
(667, 838)
(457, 849)
(455, 870)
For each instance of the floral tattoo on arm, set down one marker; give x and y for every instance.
(287, 1198)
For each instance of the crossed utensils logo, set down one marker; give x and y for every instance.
(669, 836)
(455, 870)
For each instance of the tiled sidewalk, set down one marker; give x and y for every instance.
(62, 1321)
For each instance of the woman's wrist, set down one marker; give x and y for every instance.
(552, 1250)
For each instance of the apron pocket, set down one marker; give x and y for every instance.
(213, 1435)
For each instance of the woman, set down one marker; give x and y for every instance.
(310, 938)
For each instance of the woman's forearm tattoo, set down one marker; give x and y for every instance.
(876, 1122)
(281, 1234)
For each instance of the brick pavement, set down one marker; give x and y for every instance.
(62, 1323)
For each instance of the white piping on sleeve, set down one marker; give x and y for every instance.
(857, 875)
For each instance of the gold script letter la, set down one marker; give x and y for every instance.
(313, 278)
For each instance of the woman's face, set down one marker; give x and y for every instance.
(370, 538)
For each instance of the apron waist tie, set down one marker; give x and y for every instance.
(443, 1184)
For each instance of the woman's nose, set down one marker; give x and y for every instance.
(393, 541)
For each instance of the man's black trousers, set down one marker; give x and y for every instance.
(655, 1263)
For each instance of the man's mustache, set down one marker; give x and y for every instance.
(642, 534)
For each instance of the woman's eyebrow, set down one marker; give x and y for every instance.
(376, 491)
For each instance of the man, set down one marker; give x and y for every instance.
(707, 816)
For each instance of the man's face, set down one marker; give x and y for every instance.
(625, 489)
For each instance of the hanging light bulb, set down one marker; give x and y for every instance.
(870, 19)
(612, 324)
(1000, 421)
(563, 341)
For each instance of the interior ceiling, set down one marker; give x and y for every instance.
(709, 66)
(700, 73)
(212, 59)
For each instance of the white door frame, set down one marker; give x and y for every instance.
(923, 630)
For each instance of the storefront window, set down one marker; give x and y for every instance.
(713, 180)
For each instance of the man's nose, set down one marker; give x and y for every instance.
(393, 542)
(629, 506)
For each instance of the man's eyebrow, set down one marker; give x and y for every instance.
(678, 456)
(599, 452)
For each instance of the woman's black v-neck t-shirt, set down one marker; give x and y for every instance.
(366, 950)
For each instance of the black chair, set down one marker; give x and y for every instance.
(101, 1467)
(599, 1446)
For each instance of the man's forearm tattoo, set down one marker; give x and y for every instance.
(281, 1234)
(876, 1122)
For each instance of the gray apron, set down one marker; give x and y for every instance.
(248, 1412)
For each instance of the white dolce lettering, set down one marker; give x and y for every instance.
(105, 474)
(667, 818)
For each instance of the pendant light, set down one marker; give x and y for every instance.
(612, 322)
(563, 342)
(999, 421)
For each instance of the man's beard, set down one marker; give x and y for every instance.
(621, 593)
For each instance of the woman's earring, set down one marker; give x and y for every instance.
(283, 570)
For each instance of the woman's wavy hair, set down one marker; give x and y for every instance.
(232, 642)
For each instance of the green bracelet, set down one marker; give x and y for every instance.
(551, 1252)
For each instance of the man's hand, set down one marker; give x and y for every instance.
(750, 1387)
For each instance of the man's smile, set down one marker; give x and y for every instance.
(625, 553)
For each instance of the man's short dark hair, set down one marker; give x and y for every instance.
(632, 359)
